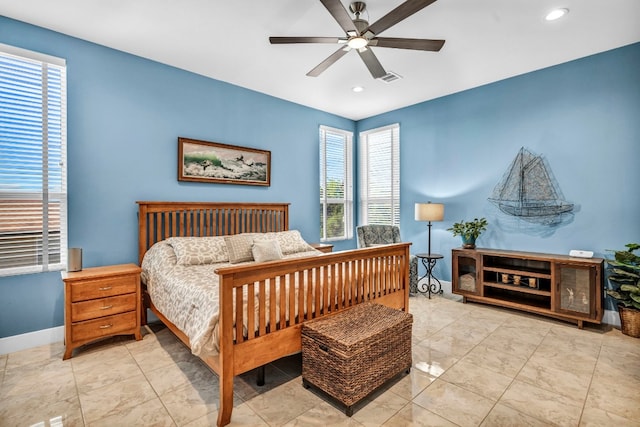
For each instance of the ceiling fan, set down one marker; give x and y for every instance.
(361, 36)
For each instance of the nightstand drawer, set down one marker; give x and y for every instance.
(102, 307)
(103, 287)
(104, 326)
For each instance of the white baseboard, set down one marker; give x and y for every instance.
(31, 339)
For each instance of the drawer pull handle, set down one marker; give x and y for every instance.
(106, 307)
(105, 326)
(106, 288)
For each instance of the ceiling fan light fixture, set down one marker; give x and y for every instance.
(357, 42)
(556, 14)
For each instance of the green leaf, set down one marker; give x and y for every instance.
(635, 305)
(635, 298)
(630, 288)
(622, 272)
(617, 295)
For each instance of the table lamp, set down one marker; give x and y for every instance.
(429, 212)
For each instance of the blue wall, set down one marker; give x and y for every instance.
(125, 114)
(582, 116)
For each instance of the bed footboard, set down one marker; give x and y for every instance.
(262, 309)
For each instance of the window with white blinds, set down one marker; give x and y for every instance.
(379, 176)
(33, 193)
(336, 188)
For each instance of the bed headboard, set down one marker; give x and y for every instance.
(160, 220)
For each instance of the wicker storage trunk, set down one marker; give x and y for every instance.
(351, 354)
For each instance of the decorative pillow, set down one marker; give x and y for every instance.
(266, 250)
(290, 241)
(199, 250)
(239, 248)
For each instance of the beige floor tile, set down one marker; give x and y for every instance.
(28, 410)
(614, 394)
(193, 401)
(563, 358)
(149, 413)
(40, 354)
(504, 416)
(377, 411)
(171, 377)
(411, 385)
(495, 360)
(620, 362)
(542, 404)
(543, 373)
(96, 374)
(321, 415)
(186, 404)
(157, 355)
(416, 415)
(454, 403)
(246, 386)
(52, 378)
(513, 342)
(430, 361)
(477, 379)
(459, 350)
(447, 344)
(115, 398)
(593, 417)
(285, 403)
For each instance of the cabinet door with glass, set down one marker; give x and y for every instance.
(578, 290)
(465, 269)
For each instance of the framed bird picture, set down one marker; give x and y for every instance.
(212, 162)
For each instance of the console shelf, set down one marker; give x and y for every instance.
(558, 286)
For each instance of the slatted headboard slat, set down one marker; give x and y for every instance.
(160, 220)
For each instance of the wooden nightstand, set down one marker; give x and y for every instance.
(100, 302)
(322, 247)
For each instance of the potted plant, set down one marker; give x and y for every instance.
(469, 231)
(624, 274)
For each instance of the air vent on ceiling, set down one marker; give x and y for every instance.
(390, 77)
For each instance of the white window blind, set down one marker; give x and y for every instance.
(336, 188)
(379, 176)
(33, 193)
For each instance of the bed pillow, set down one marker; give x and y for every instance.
(239, 248)
(199, 250)
(266, 250)
(290, 241)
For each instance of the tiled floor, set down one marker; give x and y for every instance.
(473, 365)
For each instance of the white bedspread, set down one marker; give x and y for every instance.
(188, 295)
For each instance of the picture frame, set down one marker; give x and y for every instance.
(213, 162)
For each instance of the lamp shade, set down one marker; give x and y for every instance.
(429, 211)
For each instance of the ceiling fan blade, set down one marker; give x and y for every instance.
(283, 40)
(340, 14)
(372, 63)
(415, 44)
(401, 12)
(327, 63)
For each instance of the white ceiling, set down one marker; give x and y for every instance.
(486, 41)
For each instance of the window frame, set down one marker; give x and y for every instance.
(347, 200)
(364, 175)
(34, 209)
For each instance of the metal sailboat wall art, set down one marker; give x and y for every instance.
(529, 191)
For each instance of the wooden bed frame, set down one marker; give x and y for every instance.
(346, 278)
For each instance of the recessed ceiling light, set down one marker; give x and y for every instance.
(357, 89)
(556, 14)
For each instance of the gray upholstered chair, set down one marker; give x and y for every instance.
(375, 234)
